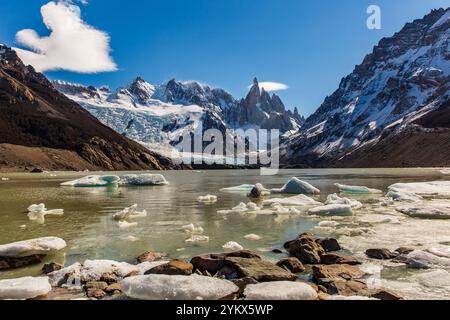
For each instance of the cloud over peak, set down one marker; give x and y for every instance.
(272, 86)
(73, 45)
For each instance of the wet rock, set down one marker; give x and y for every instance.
(51, 267)
(258, 269)
(36, 170)
(337, 271)
(277, 251)
(404, 250)
(292, 264)
(381, 254)
(339, 286)
(333, 258)
(257, 191)
(421, 259)
(110, 278)
(386, 295)
(101, 285)
(306, 249)
(151, 256)
(329, 244)
(95, 293)
(243, 283)
(113, 288)
(213, 263)
(14, 263)
(173, 268)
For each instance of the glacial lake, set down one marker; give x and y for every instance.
(91, 233)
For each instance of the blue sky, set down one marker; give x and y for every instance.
(308, 45)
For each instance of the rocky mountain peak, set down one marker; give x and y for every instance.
(141, 90)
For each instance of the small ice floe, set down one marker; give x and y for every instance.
(192, 229)
(24, 288)
(297, 186)
(41, 246)
(253, 237)
(445, 172)
(208, 199)
(5, 179)
(126, 225)
(426, 211)
(328, 224)
(296, 201)
(332, 210)
(164, 287)
(23, 227)
(280, 290)
(350, 298)
(421, 259)
(244, 188)
(242, 208)
(143, 180)
(132, 239)
(93, 181)
(232, 246)
(197, 239)
(37, 213)
(335, 199)
(356, 189)
(403, 196)
(129, 213)
(435, 188)
(258, 191)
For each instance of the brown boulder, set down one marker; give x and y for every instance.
(306, 249)
(291, 264)
(213, 263)
(381, 254)
(113, 288)
(95, 293)
(151, 256)
(385, 295)
(15, 263)
(110, 278)
(51, 267)
(337, 271)
(174, 267)
(243, 283)
(344, 287)
(101, 285)
(329, 244)
(333, 258)
(258, 269)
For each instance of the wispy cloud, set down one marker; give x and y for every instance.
(72, 45)
(273, 86)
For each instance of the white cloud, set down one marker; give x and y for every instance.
(72, 45)
(273, 86)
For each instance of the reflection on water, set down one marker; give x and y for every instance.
(91, 233)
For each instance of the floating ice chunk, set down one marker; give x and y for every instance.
(132, 238)
(244, 188)
(435, 279)
(426, 211)
(27, 248)
(192, 229)
(197, 239)
(93, 181)
(242, 208)
(232, 246)
(5, 179)
(39, 217)
(297, 186)
(207, 199)
(129, 213)
(435, 188)
(37, 208)
(24, 288)
(69, 276)
(335, 199)
(332, 210)
(296, 201)
(356, 189)
(253, 237)
(143, 180)
(421, 259)
(350, 298)
(126, 225)
(280, 290)
(443, 252)
(403, 196)
(327, 224)
(445, 171)
(163, 287)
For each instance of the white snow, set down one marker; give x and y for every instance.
(143, 180)
(295, 201)
(208, 199)
(24, 288)
(163, 287)
(27, 248)
(297, 186)
(253, 237)
(356, 189)
(93, 181)
(332, 210)
(435, 188)
(232, 246)
(129, 213)
(280, 290)
(335, 199)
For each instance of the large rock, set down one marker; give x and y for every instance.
(164, 287)
(329, 244)
(258, 269)
(339, 286)
(291, 264)
(297, 186)
(333, 258)
(306, 249)
(213, 263)
(173, 268)
(337, 271)
(40, 246)
(24, 288)
(280, 290)
(381, 254)
(421, 259)
(14, 263)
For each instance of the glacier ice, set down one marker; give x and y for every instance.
(335, 199)
(192, 229)
(37, 213)
(93, 181)
(297, 186)
(129, 213)
(280, 290)
(356, 189)
(24, 288)
(434, 188)
(244, 188)
(296, 201)
(126, 225)
(426, 211)
(253, 237)
(421, 259)
(208, 199)
(31, 247)
(242, 208)
(143, 180)
(232, 246)
(197, 239)
(403, 196)
(163, 287)
(332, 209)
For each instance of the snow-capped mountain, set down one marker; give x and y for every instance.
(404, 78)
(157, 115)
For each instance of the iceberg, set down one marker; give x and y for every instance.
(164, 287)
(129, 213)
(426, 211)
(197, 239)
(93, 181)
(232, 246)
(295, 201)
(280, 290)
(335, 199)
(37, 213)
(41, 246)
(253, 237)
(208, 199)
(435, 188)
(332, 210)
(297, 186)
(356, 189)
(24, 288)
(37, 208)
(143, 180)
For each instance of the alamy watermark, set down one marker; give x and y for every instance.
(374, 19)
